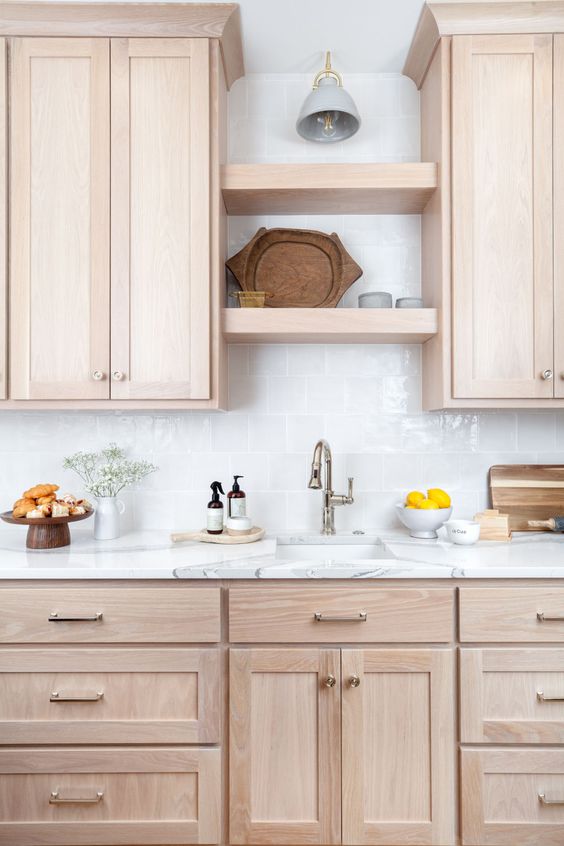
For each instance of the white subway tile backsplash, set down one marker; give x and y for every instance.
(268, 360)
(536, 430)
(287, 394)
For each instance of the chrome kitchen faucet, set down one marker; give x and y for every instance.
(322, 453)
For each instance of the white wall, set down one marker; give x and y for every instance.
(365, 400)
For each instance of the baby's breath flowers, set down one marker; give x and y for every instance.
(106, 473)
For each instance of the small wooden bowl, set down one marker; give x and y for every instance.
(46, 532)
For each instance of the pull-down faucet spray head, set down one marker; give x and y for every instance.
(321, 451)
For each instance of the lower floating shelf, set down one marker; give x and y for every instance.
(329, 325)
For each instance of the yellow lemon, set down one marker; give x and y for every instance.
(440, 497)
(410, 506)
(414, 498)
(427, 504)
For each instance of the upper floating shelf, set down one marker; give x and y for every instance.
(382, 188)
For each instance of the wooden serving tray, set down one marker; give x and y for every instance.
(298, 268)
(46, 532)
(255, 534)
(527, 492)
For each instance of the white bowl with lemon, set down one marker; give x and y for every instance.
(423, 515)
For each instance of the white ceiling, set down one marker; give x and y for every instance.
(365, 36)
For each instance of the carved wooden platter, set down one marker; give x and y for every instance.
(299, 268)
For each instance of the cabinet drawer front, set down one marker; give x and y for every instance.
(343, 615)
(512, 695)
(512, 796)
(109, 696)
(512, 615)
(142, 796)
(109, 615)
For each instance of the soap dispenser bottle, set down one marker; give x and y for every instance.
(237, 500)
(214, 523)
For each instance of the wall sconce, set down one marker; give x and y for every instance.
(328, 114)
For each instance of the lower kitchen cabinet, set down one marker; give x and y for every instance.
(512, 797)
(285, 746)
(398, 737)
(118, 795)
(391, 713)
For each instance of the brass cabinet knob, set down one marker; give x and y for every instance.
(98, 375)
(547, 375)
(330, 681)
(117, 375)
(354, 681)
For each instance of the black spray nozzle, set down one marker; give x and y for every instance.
(216, 487)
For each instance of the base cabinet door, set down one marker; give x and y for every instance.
(512, 797)
(398, 741)
(125, 796)
(285, 746)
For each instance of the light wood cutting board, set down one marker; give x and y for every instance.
(527, 492)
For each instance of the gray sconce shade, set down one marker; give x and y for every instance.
(329, 113)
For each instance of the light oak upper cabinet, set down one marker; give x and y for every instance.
(502, 216)
(285, 746)
(558, 216)
(60, 207)
(3, 221)
(160, 219)
(398, 736)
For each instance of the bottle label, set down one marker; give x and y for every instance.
(238, 506)
(215, 520)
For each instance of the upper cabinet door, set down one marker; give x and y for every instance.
(59, 237)
(398, 737)
(559, 216)
(160, 219)
(3, 220)
(502, 216)
(285, 746)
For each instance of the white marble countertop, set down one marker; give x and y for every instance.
(151, 555)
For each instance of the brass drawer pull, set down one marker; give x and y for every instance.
(359, 617)
(544, 800)
(56, 799)
(70, 696)
(330, 680)
(542, 697)
(354, 681)
(55, 617)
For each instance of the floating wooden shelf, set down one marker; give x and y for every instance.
(384, 188)
(329, 325)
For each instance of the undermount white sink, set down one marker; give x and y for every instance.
(338, 548)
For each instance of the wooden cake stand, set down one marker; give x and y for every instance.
(46, 532)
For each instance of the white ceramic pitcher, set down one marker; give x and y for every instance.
(106, 518)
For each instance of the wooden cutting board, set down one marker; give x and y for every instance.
(527, 492)
(298, 268)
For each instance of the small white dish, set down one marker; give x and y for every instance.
(463, 532)
(423, 523)
(238, 526)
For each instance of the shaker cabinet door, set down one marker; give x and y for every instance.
(160, 219)
(285, 746)
(59, 212)
(398, 741)
(502, 217)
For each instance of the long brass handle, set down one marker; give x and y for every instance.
(544, 800)
(542, 697)
(359, 617)
(546, 618)
(71, 696)
(55, 617)
(56, 799)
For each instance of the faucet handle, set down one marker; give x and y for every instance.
(350, 496)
